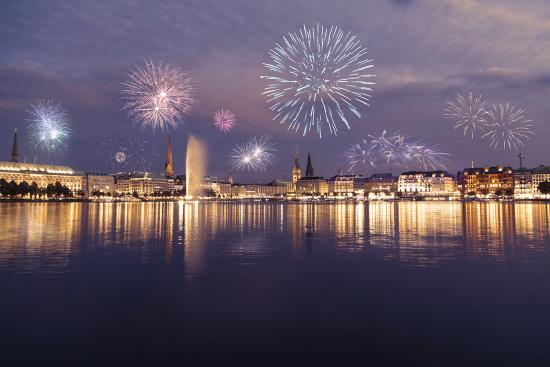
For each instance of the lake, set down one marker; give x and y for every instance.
(275, 283)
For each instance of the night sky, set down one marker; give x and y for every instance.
(425, 51)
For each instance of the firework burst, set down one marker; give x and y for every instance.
(158, 95)
(468, 112)
(508, 126)
(224, 120)
(318, 76)
(394, 152)
(254, 155)
(48, 127)
(128, 154)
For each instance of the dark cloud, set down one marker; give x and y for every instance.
(78, 53)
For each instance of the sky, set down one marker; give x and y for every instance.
(425, 52)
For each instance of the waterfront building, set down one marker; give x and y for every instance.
(539, 175)
(142, 183)
(311, 185)
(486, 181)
(296, 172)
(380, 186)
(523, 187)
(169, 164)
(97, 182)
(42, 174)
(431, 184)
(346, 185)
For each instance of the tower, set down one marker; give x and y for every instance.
(169, 164)
(15, 148)
(309, 168)
(296, 171)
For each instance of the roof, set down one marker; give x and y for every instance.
(35, 168)
(427, 173)
(486, 170)
(541, 169)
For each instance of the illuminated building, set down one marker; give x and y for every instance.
(98, 182)
(434, 184)
(523, 188)
(42, 174)
(346, 185)
(381, 186)
(311, 185)
(142, 183)
(539, 175)
(488, 181)
(296, 172)
(169, 164)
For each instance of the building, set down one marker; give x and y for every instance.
(42, 174)
(15, 148)
(296, 172)
(486, 181)
(523, 187)
(381, 186)
(346, 185)
(169, 164)
(434, 184)
(98, 182)
(311, 185)
(539, 175)
(142, 183)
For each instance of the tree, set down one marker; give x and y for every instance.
(13, 188)
(23, 188)
(3, 187)
(498, 193)
(50, 190)
(135, 194)
(544, 187)
(58, 189)
(509, 192)
(33, 189)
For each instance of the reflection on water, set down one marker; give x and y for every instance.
(46, 237)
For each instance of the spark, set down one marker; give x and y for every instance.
(224, 120)
(254, 155)
(128, 154)
(158, 95)
(318, 76)
(48, 127)
(469, 113)
(508, 126)
(394, 151)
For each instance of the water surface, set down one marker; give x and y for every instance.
(276, 283)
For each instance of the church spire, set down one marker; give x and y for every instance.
(169, 164)
(296, 161)
(15, 148)
(309, 168)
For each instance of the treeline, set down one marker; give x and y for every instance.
(24, 189)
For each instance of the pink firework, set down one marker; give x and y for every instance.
(224, 120)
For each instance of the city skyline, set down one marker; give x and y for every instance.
(412, 85)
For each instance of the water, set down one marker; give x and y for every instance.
(275, 283)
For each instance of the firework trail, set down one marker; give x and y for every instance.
(508, 126)
(318, 76)
(469, 113)
(224, 120)
(394, 152)
(128, 154)
(48, 127)
(254, 155)
(158, 95)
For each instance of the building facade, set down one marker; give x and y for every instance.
(523, 186)
(381, 186)
(142, 183)
(427, 184)
(97, 182)
(487, 181)
(539, 175)
(346, 185)
(42, 174)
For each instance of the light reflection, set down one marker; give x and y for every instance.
(45, 236)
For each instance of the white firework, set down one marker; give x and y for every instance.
(318, 76)
(469, 113)
(254, 155)
(508, 126)
(158, 95)
(48, 127)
